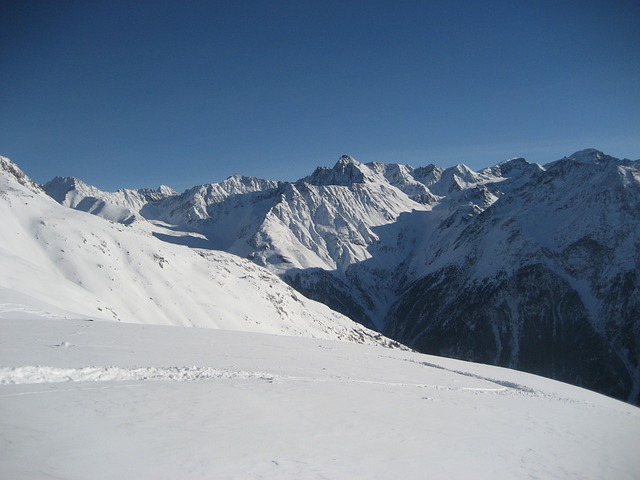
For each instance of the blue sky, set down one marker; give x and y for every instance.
(142, 93)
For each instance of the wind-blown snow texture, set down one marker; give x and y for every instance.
(521, 265)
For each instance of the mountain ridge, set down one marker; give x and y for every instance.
(360, 237)
(63, 263)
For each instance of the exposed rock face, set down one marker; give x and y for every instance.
(532, 320)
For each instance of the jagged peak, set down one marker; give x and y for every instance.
(347, 159)
(427, 175)
(512, 167)
(166, 190)
(60, 180)
(233, 185)
(238, 179)
(462, 172)
(151, 194)
(428, 169)
(514, 161)
(71, 190)
(244, 183)
(58, 187)
(377, 167)
(68, 182)
(398, 167)
(461, 169)
(345, 172)
(395, 173)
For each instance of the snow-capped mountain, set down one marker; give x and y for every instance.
(121, 206)
(544, 280)
(58, 262)
(521, 265)
(84, 396)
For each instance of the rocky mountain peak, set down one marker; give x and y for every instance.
(166, 191)
(345, 172)
(513, 167)
(346, 159)
(58, 187)
(237, 184)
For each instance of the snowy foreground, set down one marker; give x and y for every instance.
(84, 399)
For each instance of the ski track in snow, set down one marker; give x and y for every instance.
(38, 374)
(43, 374)
(504, 386)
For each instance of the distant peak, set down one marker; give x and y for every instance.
(70, 182)
(239, 184)
(588, 155)
(237, 178)
(347, 159)
(168, 191)
(461, 168)
(514, 161)
(345, 172)
(513, 167)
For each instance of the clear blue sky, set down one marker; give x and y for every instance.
(139, 93)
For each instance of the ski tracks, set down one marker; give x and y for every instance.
(46, 374)
(39, 374)
(503, 387)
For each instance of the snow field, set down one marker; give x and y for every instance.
(266, 406)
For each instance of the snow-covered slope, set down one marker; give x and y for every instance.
(71, 264)
(102, 400)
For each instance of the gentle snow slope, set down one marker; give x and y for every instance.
(102, 400)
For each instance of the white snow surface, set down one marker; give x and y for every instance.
(105, 400)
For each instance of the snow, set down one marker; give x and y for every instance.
(71, 264)
(101, 379)
(44, 374)
(103, 400)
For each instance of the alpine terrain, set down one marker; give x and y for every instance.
(132, 346)
(68, 264)
(520, 265)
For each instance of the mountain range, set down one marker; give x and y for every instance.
(60, 263)
(532, 267)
